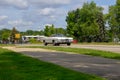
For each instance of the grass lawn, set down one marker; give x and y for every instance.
(91, 52)
(14, 66)
(7, 44)
(99, 43)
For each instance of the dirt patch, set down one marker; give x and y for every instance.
(28, 49)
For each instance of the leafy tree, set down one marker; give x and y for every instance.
(5, 34)
(86, 24)
(12, 35)
(102, 30)
(72, 23)
(60, 31)
(118, 16)
(114, 20)
(47, 31)
(29, 32)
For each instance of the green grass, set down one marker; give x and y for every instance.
(7, 45)
(14, 66)
(91, 52)
(99, 43)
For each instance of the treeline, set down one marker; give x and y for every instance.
(7, 35)
(89, 24)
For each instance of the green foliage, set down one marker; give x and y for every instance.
(5, 33)
(60, 31)
(86, 23)
(12, 35)
(20, 67)
(114, 20)
(31, 32)
(32, 40)
(49, 30)
(5, 36)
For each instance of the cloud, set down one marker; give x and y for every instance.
(46, 11)
(50, 2)
(46, 15)
(22, 4)
(20, 23)
(3, 20)
(3, 17)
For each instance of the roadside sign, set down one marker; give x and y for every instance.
(17, 36)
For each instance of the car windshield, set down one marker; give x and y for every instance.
(57, 35)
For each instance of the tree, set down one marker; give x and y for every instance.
(118, 16)
(87, 23)
(101, 22)
(49, 30)
(72, 23)
(12, 35)
(60, 31)
(114, 20)
(5, 34)
(46, 31)
(29, 32)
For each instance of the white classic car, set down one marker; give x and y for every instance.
(57, 39)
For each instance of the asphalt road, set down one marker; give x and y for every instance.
(107, 68)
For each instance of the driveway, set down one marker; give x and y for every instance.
(107, 68)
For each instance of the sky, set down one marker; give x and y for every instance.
(35, 14)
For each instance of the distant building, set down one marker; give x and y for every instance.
(27, 38)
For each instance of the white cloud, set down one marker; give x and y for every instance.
(46, 11)
(20, 23)
(50, 2)
(3, 17)
(14, 3)
(48, 25)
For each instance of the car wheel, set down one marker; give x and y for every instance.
(68, 44)
(54, 44)
(45, 44)
(57, 44)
